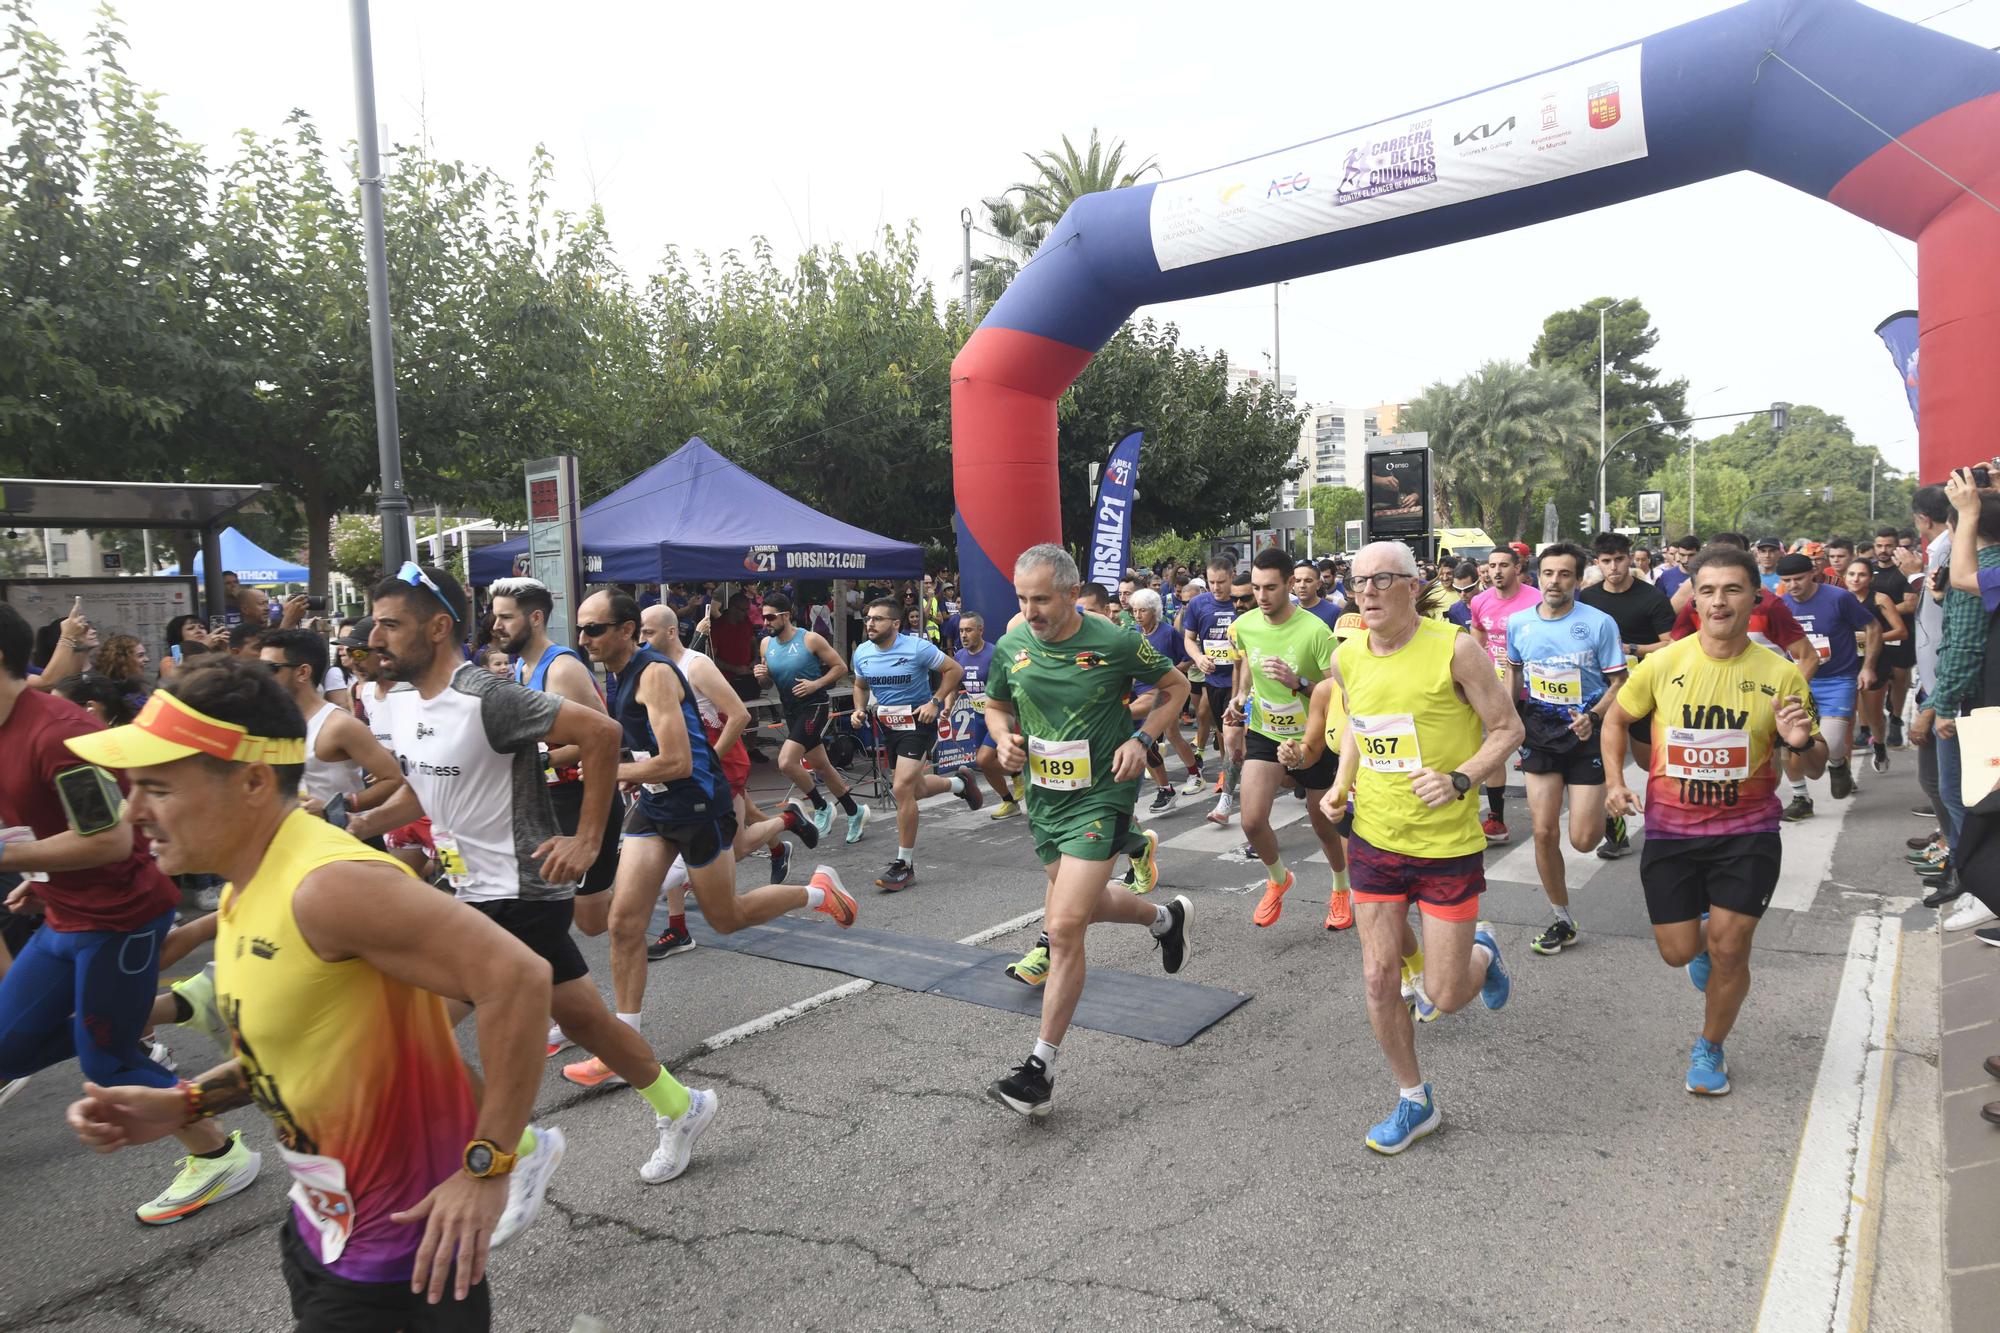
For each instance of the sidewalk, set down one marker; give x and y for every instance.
(1969, 1031)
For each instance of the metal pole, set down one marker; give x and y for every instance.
(394, 506)
(146, 536)
(48, 556)
(1692, 442)
(1872, 465)
(965, 220)
(1603, 514)
(1277, 359)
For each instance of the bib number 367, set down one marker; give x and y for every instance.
(1388, 742)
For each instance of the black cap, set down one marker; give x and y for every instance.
(356, 635)
(1795, 563)
(1768, 544)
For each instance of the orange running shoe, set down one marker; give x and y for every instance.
(592, 1073)
(1273, 902)
(838, 903)
(1339, 911)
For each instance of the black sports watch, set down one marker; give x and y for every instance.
(1460, 783)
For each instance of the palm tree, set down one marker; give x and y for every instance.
(1504, 440)
(1022, 217)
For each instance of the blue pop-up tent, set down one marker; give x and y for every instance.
(251, 563)
(696, 515)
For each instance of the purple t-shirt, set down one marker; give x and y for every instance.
(1989, 588)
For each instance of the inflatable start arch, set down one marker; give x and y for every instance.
(1892, 122)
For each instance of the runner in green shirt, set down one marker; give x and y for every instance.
(1055, 706)
(1282, 653)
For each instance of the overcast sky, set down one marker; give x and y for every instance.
(704, 125)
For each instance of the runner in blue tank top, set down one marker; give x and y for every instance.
(683, 807)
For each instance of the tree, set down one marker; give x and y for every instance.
(1023, 215)
(1333, 508)
(1809, 480)
(1634, 393)
(1504, 441)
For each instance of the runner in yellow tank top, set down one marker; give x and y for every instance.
(331, 959)
(1416, 693)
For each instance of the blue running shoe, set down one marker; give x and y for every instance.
(855, 822)
(822, 817)
(1698, 968)
(1498, 984)
(1406, 1124)
(1708, 1071)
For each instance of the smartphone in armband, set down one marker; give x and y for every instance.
(90, 798)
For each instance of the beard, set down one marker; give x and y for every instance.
(514, 645)
(405, 669)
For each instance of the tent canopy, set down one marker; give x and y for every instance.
(696, 515)
(251, 563)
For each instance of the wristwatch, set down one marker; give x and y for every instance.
(1460, 783)
(485, 1159)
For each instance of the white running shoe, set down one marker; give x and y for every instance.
(558, 1039)
(677, 1136)
(1195, 785)
(1968, 912)
(1225, 807)
(11, 1086)
(528, 1182)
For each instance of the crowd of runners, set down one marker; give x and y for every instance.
(423, 850)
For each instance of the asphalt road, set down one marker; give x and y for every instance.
(858, 1176)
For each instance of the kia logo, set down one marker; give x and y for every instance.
(1478, 132)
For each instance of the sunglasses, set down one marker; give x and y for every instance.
(1245, 600)
(770, 616)
(360, 652)
(592, 631)
(279, 668)
(413, 574)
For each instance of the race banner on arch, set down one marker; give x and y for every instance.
(1111, 516)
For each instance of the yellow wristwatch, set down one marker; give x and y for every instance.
(485, 1159)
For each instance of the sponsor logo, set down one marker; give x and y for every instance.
(1747, 686)
(1227, 194)
(1021, 659)
(1579, 633)
(430, 770)
(1121, 471)
(424, 732)
(593, 564)
(1388, 166)
(1479, 132)
(263, 948)
(1604, 109)
(1086, 660)
(1286, 186)
(761, 560)
(1549, 114)
(825, 560)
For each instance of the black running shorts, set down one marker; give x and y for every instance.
(544, 927)
(324, 1303)
(1684, 877)
(806, 721)
(567, 798)
(1259, 747)
(1582, 765)
(698, 842)
(913, 742)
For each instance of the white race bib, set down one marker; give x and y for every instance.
(450, 859)
(319, 1189)
(1059, 765)
(1822, 644)
(1388, 742)
(1219, 651)
(640, 757)
(897, 717)
(1708, 754)
(1551, 684)
(1286, 722)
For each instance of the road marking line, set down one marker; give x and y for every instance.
(1811, 1281)
(778, 1017)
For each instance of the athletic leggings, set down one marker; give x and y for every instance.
(84, 994)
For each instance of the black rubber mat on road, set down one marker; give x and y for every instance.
(1156, 1008)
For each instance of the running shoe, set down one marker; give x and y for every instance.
(1879, 757)
(1033, 969)
(592, 1073)
(1708, 1071)
(669, 943)
(1800, 808)
(1005, 810)
(157, 1052)
(1985, 935)
(1340, 910)
(1498, 985)
(1970, 912)
(1921, 841)
(1195, 785)
(801, 827)
(1896, 732)
(1225, 806)
(1177, 945)
(1864, 736)
(1560, 935)
(781, 861)
(202, 1181)
(822, 818)
(1943, 893)
(199, 991)
(1020, 788)
(677, 1136)
(1273, 901)
(1146, 867)
(1027, 1089)
(1698, 969)
(1496, 833)
(8, 1087)
(1617, 842)
(1927, 853)
(1165, 799)
(1923, 812)
(856, 822)
(968, 778)
(558, 1039)
(528, 1182)
(1940, 866)
(1418, 1003)
(838, 902)
(1406, 1124)
(899, 876)
(1840, 778)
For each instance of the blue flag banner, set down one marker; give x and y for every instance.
(1899, 335)
(1111, 516)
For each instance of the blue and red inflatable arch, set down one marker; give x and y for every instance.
(1807, 92)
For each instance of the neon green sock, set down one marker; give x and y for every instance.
(1276, 871)
(667, 1096)
(1413, 963)
(527, 1142)
(1340, 880)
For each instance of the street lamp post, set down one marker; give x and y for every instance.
(1780, 414)
(393, 505)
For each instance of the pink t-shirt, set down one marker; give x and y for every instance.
(1490, 612)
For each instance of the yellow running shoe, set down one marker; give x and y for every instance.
(1033, 969)
(1146, 868)
(1005, 810)
(202, 1181)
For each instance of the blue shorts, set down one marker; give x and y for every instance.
(976, 733)
(1833, 696)
(84, 995)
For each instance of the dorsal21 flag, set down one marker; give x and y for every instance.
(1111, 516)
(1899, 335)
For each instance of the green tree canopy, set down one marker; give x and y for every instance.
(1333, 508)
(1022, 215)
(1809, 480)
(1504, 441)
(1635, 394)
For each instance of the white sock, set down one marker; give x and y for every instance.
(815, 895)
(1415, 1094)
(1163, 920)
(1798, 786)
(957, 785)
(1482, 958)
(677, 875)
(1046, 1054)
(1562, 915)
(908, 856)
(630, 1021)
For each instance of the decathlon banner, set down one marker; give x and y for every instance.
(1575, 119)
(1111, 516)
(1899, 335)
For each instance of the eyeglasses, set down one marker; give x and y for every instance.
(413, 574)
(279, 668)
(1379, 582)
(592, 631)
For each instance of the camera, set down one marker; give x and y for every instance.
(315, 603)
(1982, 477)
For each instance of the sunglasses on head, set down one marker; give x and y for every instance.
(413, 574)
